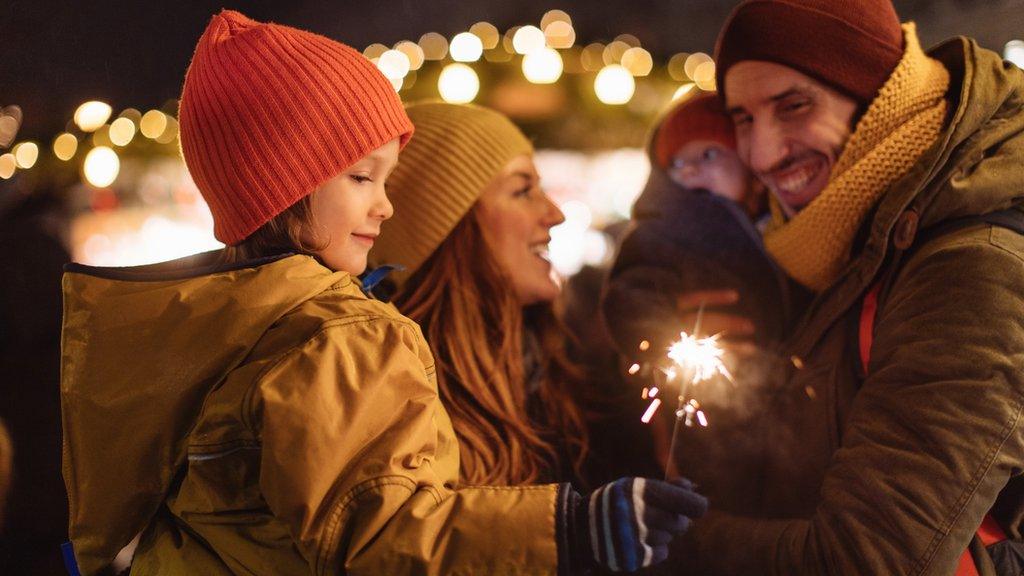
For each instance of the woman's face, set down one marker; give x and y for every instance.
(517, 216)
(349, 209)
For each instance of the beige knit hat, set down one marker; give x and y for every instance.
(457, 151)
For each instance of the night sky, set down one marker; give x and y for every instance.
(57, 55)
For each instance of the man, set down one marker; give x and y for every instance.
(895, 431)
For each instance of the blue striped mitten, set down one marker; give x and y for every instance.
(628, 524)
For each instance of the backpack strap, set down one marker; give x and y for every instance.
(989, 532)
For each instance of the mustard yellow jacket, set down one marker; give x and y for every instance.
(268, 418)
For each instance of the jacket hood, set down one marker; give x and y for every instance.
(983, 149)
(141, 349)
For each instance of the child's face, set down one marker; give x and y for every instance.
(711, 166)
(349, 209)
(517, 216)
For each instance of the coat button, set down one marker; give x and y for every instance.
(906, 229)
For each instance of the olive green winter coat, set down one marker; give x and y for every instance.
(892, 472)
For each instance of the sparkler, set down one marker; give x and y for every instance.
(695, 360)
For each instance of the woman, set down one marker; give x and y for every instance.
(472, 227)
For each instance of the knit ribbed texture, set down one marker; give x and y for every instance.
(458, 150)
(851, 45)
(269, 113)
(900, 125)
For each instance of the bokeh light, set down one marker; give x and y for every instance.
(552, 16)
(677, 67)
(487, 33)
(1014, 52)
(466, 47)
(693, 61)
(559, 34)
(65, 146)
(153, 124)
(26, 154)
(593, 57)
(101, 167)
(413, 52)
(613, 52)
(683, 90)
(543, 66)
(8, 166)
(374, 51)
(528, 39)
(435, 46)
(458, 84)
(704, 76)
(393, 64)
(614, 85)
(170, 132)
(638, 61)
(91, 115)
(122, 131)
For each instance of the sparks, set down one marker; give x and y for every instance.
(646, 418)
(701, 356)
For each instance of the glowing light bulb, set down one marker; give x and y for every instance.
(26, 154)
(466, 47)
(528, 39)
(65, 146)
(543, 66)
(458, 84)
(614, 85)
(91, 115)
(101, 166)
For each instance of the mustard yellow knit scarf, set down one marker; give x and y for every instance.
(902, 122)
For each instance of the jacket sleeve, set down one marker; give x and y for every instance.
(932, 437)
(360, 460)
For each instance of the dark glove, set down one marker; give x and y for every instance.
(628, 524)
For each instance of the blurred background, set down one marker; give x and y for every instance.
(90, 168)
(97, 85)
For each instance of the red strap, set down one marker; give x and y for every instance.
(966, 566)
(989, 532)
(867, 324)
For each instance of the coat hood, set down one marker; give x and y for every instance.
(141, 349)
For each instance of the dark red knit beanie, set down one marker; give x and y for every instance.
(851, 45)
(269, 113)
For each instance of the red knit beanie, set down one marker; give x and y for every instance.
(699, 118)
(269, 113)
(851, 45)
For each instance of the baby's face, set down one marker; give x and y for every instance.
(713, 167)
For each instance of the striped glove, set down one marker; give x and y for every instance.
(628, 524)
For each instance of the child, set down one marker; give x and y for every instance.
(693, 232)
(251, 411)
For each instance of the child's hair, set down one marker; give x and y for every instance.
(465, 304)
(291, 231)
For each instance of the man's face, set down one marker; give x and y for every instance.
(790, 128)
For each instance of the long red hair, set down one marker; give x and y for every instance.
(464, 302)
